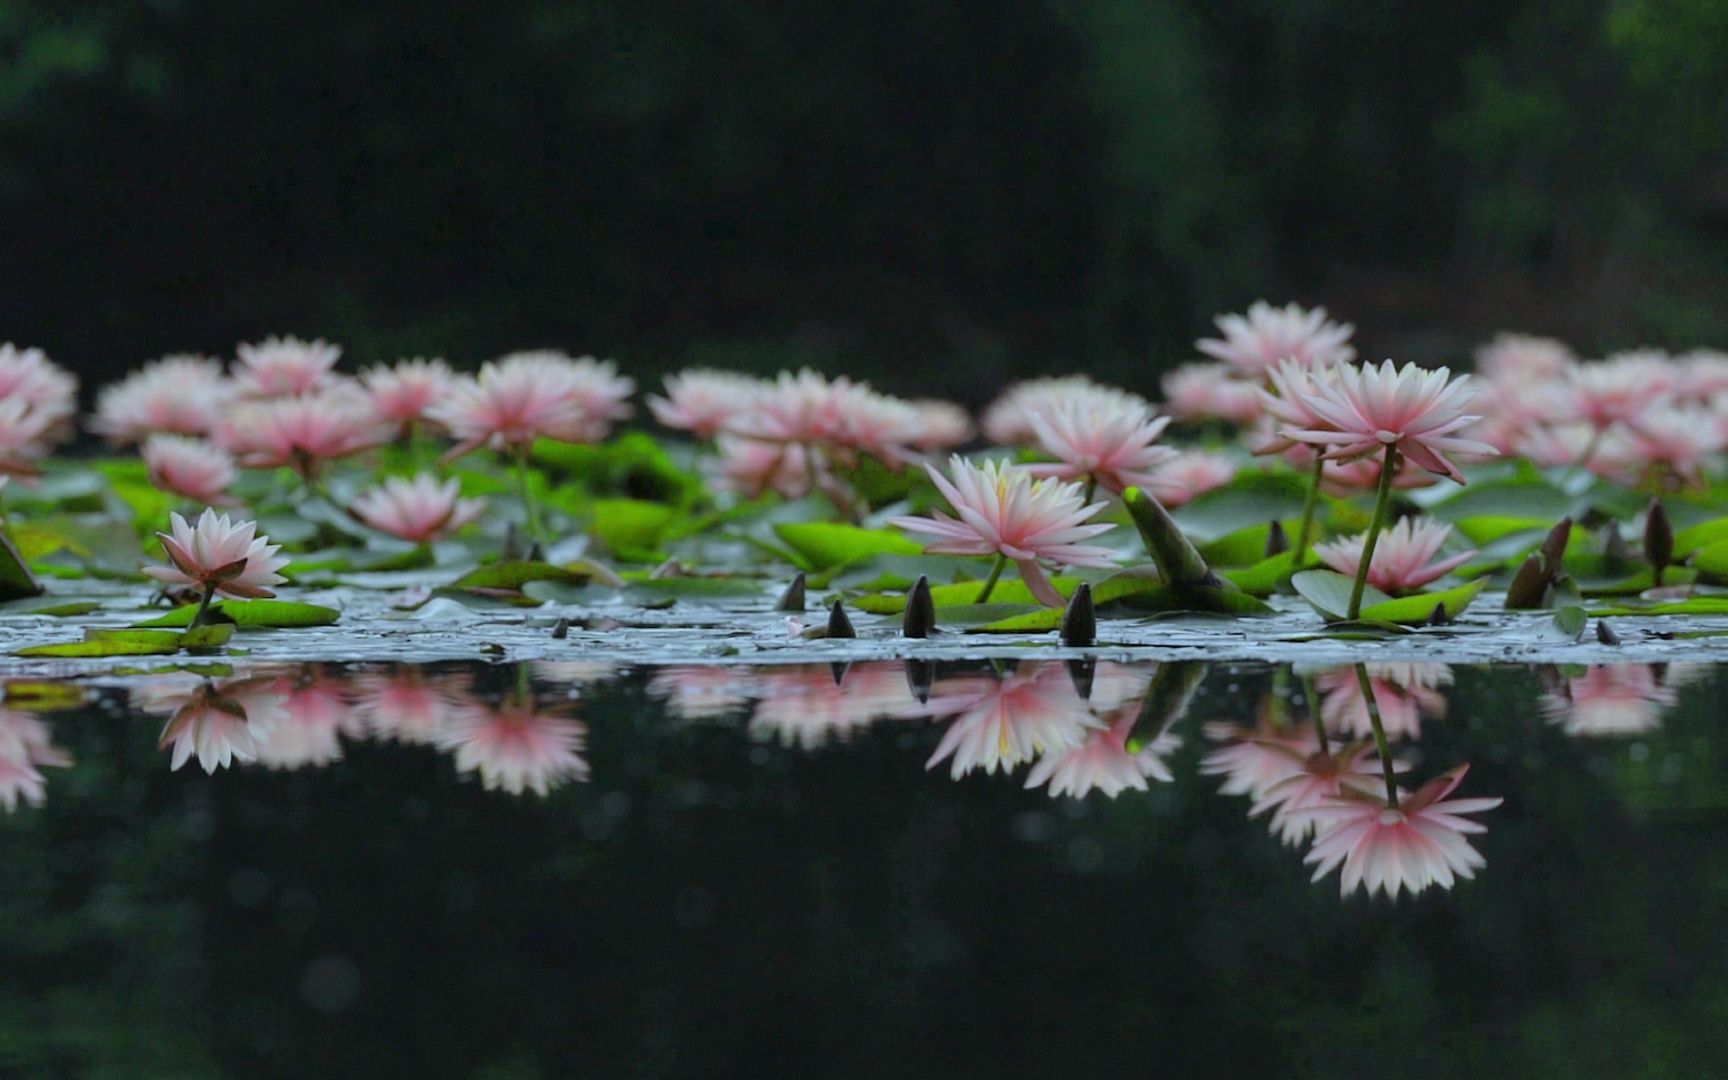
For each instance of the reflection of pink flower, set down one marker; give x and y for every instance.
(1317, 779)
(702, 691)
(1404, 693)
(314, 716)
(405, 705)
(999, 723)
(1004, 510)
(403, 394)
(1615, 699)
(1105, 761)
(517, 746)
(220, 723)
(1402, 559)
(26, 744)
(1191, 475)
(222, 554)
(285, 366)
(1369, 408)
(180, 395)
(190, 468)
(1418, 844)
(1111, 440)
(420, 510)
(1254, 760)
(806, 706)
(1266, 335)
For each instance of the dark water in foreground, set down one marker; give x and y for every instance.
(753, 872)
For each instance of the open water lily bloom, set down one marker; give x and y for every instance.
(1110, 440)
(1404, 560)
(1267, 334)
(285, 366)
(532, 395)
(1370, 408)
(1005, 510)
(419, 510)
(403, 394)
(190, 468)
(28, 375)
(222, 554)
(180, 394)
(703, 402)
(1408, 847)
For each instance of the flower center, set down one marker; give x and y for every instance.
(1390, 817)
(1387, 437)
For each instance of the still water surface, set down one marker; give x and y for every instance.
(1026, 869)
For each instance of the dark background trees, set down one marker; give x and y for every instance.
(938, 195)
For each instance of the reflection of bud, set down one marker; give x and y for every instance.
(1617, 699)
(999, 723)
(25, 744)
(517, 746)
(1419, 843)
(221, 723)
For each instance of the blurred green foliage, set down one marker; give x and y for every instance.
(937, 195)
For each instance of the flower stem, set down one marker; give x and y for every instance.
(529, 506)
(990, 582)
(1379, 733)
(203, 608)
(1382, 497)
(1308, 504)
(1314, 713)
(1091, 486)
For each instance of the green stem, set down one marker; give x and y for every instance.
(1382, 497)
(1091, 485)
(1308, 503)
(529, 506)
(203, 608)
(990, 582)
(1379, 734)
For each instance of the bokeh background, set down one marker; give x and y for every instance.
(938, 195)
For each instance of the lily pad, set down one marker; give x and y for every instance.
(1329, 592)
(275, 614)
(1416, 610)
(826, 545)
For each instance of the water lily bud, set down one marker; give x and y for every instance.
(1276, 542)
(839, 625)
(1080, 620)
(920, 617)
(793, 598)
(1658, 539)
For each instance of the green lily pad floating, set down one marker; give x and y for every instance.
(100, 643)
(1245, 547)
(1148, 598)
(1488, 528)
(1701, 537)
(1512, 498)
(696, 588)
(271, 614)
(1266, 576)
(1697, 605)
(827, 545)
(632, 526)
(510, 576)
(1419, 609)
(62, 609)
(966, 615)
(1329, 592)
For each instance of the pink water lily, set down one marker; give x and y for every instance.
(1371, 408)
(1404, 559)
(1006, 511)
(704, 402)
(182, 394)
(1418, 843)
(285, 366)
(190, 468)
(1110, 441)
(419, 510)
(403, 394)
(221, 556)
(1266, 335)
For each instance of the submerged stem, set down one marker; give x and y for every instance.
(1379, 733)
(1308, 504)
(990, 582)
(1383, 496)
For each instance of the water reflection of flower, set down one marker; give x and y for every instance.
(406, 705)
(1615, 699)
(1000, 722)
(1318, 778)
(1418, 843)
(807, 705)
(694, 692)
(219, 722)
(1107, 761)
(1405, 692)
(517, 746)
(1285, 770)
(315, 714)
(26, 744)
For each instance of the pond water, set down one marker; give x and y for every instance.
(1025, 868)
